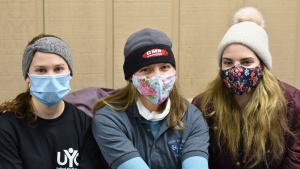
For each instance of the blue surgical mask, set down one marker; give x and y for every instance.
(49, 89)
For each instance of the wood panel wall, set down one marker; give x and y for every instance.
(96, 31)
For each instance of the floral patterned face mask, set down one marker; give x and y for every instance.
(240, 80)
(154, 88)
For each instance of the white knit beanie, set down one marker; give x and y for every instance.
(248, 30)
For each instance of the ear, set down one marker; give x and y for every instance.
(71, 77)
(129, 79)
(28, 81)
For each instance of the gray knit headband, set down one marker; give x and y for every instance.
(46, 45)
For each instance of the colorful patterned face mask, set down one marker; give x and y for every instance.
(154, 88)
(240, 80)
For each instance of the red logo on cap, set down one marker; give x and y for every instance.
(155, 53)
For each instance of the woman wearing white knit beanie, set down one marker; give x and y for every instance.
(254, 118)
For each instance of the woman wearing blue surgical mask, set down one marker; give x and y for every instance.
(148, 124)
(38, 129)
(254, 118)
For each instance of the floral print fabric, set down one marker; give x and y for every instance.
(240, 80)
(154, 88)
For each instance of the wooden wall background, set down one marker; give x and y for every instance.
(96, 31)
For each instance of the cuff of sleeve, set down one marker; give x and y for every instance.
(195, 163)
(194, 153)
(124, 158)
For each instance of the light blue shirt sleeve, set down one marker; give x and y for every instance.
(195, 162)
(134, 163)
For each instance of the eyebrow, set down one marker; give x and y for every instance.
(61, 64)
(165, 64)
(251, 58)
(241, 59)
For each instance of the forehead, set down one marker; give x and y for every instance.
(45, 59)
(238, 51)
(158, 64)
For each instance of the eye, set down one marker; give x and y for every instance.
(40, 70)
(227, 62)
(247, 62)
(165, 67)
(59, 69)
(145, 69)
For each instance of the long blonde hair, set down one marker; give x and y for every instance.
(261, 125)
(125, 97)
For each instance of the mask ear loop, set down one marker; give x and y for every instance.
(29, 81)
